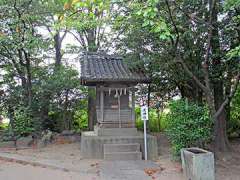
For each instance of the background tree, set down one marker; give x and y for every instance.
(186, 37)
(31, 87)
(89, 22)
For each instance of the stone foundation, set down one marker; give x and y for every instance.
(92, 144)
(115, 131)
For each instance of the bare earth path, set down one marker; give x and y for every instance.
(74, 167)
(64, 162)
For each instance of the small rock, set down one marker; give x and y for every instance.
(24, 142)
(7, 144)
(67, 133)
(40, 144)
(47, 137)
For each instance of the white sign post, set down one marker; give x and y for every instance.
(144, 117)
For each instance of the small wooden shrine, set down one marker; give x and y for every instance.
(115, 92)
(115, 136)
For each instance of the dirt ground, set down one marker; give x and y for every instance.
(75, 167)
(227, 164)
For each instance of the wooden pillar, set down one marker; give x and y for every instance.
(119, 110)
(133, 108)
(102, 104)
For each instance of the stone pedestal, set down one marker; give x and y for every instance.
(92, 144)
(115, 131)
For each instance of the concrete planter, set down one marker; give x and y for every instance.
(198, 164)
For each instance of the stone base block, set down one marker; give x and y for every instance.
(123, 156)
(92, 144)
(110, 148)
(115, 131)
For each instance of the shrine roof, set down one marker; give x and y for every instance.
(102, 68)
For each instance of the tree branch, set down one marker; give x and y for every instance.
(80, 39)
(229, 97)
(173, 23)
(190, 73)
(63, 36)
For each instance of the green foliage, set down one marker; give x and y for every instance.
(188, 125)
(155, 123)
(139, 122)
(234, 123)
(149, 13)
(59, 93)
(234, 53)
(153, 34)
(22, 124)
(231, 4)
(3, 126)
(56, 93)
(80, 116)
(89, 19)
(80, 120)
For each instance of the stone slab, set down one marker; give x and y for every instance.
(127, 170)
(133, 147)
(116, 131)
(126, 156)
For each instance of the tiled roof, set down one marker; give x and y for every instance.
(97, 68)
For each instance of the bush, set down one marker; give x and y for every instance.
(188, 125)
(22, 124)
(80, 120)
(234, 123)
(3, 126)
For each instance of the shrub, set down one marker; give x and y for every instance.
(188, 125)
(234, 123)
(80, 120)
(3, 126)
(139, 122)
(22, 124)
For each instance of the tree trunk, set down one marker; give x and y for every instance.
(91, 108)
(221, 142)
(44, 118)
(65, 112)
(57, 46)
(92, 114)
(26, 76)
(29, 80)
(91, 39)
(228, 107)
(192, 92)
